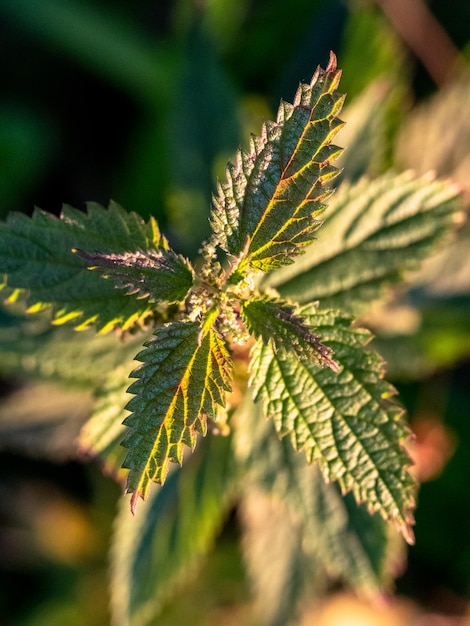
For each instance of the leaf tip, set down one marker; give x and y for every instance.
(325, 356)
(408, 533)
(332, 63)
(333, 365)
(134, 501)
(404, 521)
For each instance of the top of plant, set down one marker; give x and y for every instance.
(263, 215)
(310, 368)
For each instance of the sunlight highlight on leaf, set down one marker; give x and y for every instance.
(182, 381)
(36, 254)
(266, 210)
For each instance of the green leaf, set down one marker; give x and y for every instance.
(36, 255)
(365, 133)
(339, 540)
(265, 211)
(344, 421)
(353, 546)
(103, 433)
(375, 230)
(30, 347)
(185, 372)
(279, 321)
(156, 552)
(277, 566)
(204, 126)
(162, 276)
(43, 419)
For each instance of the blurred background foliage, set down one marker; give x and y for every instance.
(144, 102)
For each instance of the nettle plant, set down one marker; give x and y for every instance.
(257, 346)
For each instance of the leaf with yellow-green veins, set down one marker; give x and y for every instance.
(185, 373)
(266, 211)
(343, 420)
(36, 256)
(279, 322)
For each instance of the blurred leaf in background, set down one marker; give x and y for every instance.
(203, 131)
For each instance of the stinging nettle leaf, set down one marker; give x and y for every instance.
(279, 321)
(36, 256)
(373, 232)
(265, 212)
(344, 421)
(161, 276)
(185, 373)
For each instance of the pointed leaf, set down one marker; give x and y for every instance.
(344, 420)
(373, 232)
(182, 381)
(338, 537)
(155, 553)
(162, 276)
(278, 321)
(36, 255)
(265, 211)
